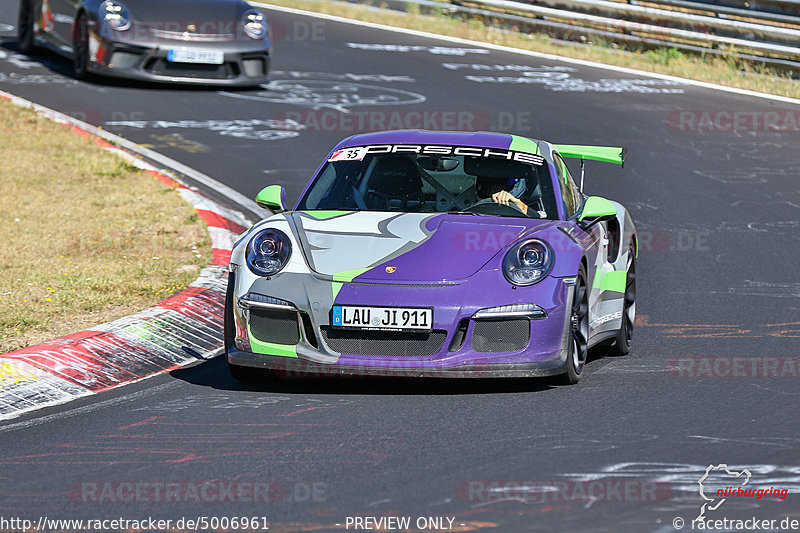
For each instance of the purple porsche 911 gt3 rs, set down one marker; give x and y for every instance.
(423, 253)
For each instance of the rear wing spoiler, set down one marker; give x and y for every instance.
(606, 154)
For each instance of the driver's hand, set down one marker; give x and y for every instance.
(506, 198)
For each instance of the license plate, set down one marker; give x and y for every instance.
(188, 55)
(388, 318)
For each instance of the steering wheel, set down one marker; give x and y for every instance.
(487, 206)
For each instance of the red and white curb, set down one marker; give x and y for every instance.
(175, 332)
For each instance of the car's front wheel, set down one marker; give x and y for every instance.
(80, 47)
(25, 38)
(578, 330)
(248, 374)
(238, 372)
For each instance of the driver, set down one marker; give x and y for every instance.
(501, 191)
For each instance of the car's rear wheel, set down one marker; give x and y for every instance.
(622, 342)
(578, 331)
(25, 38)
(80, 47)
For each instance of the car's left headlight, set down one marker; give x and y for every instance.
(528, 262)
(254, 24)
(268, 252)
(115, 15)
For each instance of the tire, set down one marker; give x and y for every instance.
(80, 47)
(25, 37)
(622, 342)
(247, 374)
(578, 331)
(238, 372)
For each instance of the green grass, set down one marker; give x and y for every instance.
(85, 237)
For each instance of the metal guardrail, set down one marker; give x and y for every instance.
(779, 12)
(780, 7)
(695, 26)
(677, 19)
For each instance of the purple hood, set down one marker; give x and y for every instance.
(406, 247)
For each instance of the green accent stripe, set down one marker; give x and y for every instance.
(270, 348)
(348, 275)
(614, 281)
(523, 144)
(336, 287)
(325, 215)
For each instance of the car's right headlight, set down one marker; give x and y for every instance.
(268, 252)
(115, 15)
(254, 24)
(528, 262)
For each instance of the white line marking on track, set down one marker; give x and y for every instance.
(89, 408)
(529, 53)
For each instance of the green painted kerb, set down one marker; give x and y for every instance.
(270, 348)
(325, 215)
(523, 144)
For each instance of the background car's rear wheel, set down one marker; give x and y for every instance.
(622, 343)
(80, 47)
(579, 330)
(25, 38)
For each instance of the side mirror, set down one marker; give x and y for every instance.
(596, 209)
(272, 198)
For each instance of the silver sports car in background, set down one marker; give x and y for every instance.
(223, 42)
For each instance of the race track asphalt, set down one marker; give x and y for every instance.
(712, 377)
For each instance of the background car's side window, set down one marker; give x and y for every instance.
(564, 180)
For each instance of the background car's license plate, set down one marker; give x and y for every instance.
(396, 318)
(188, 55)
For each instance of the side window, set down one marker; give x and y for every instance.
(564, 180)
(576, 192)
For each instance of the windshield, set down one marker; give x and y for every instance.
(466, 180)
